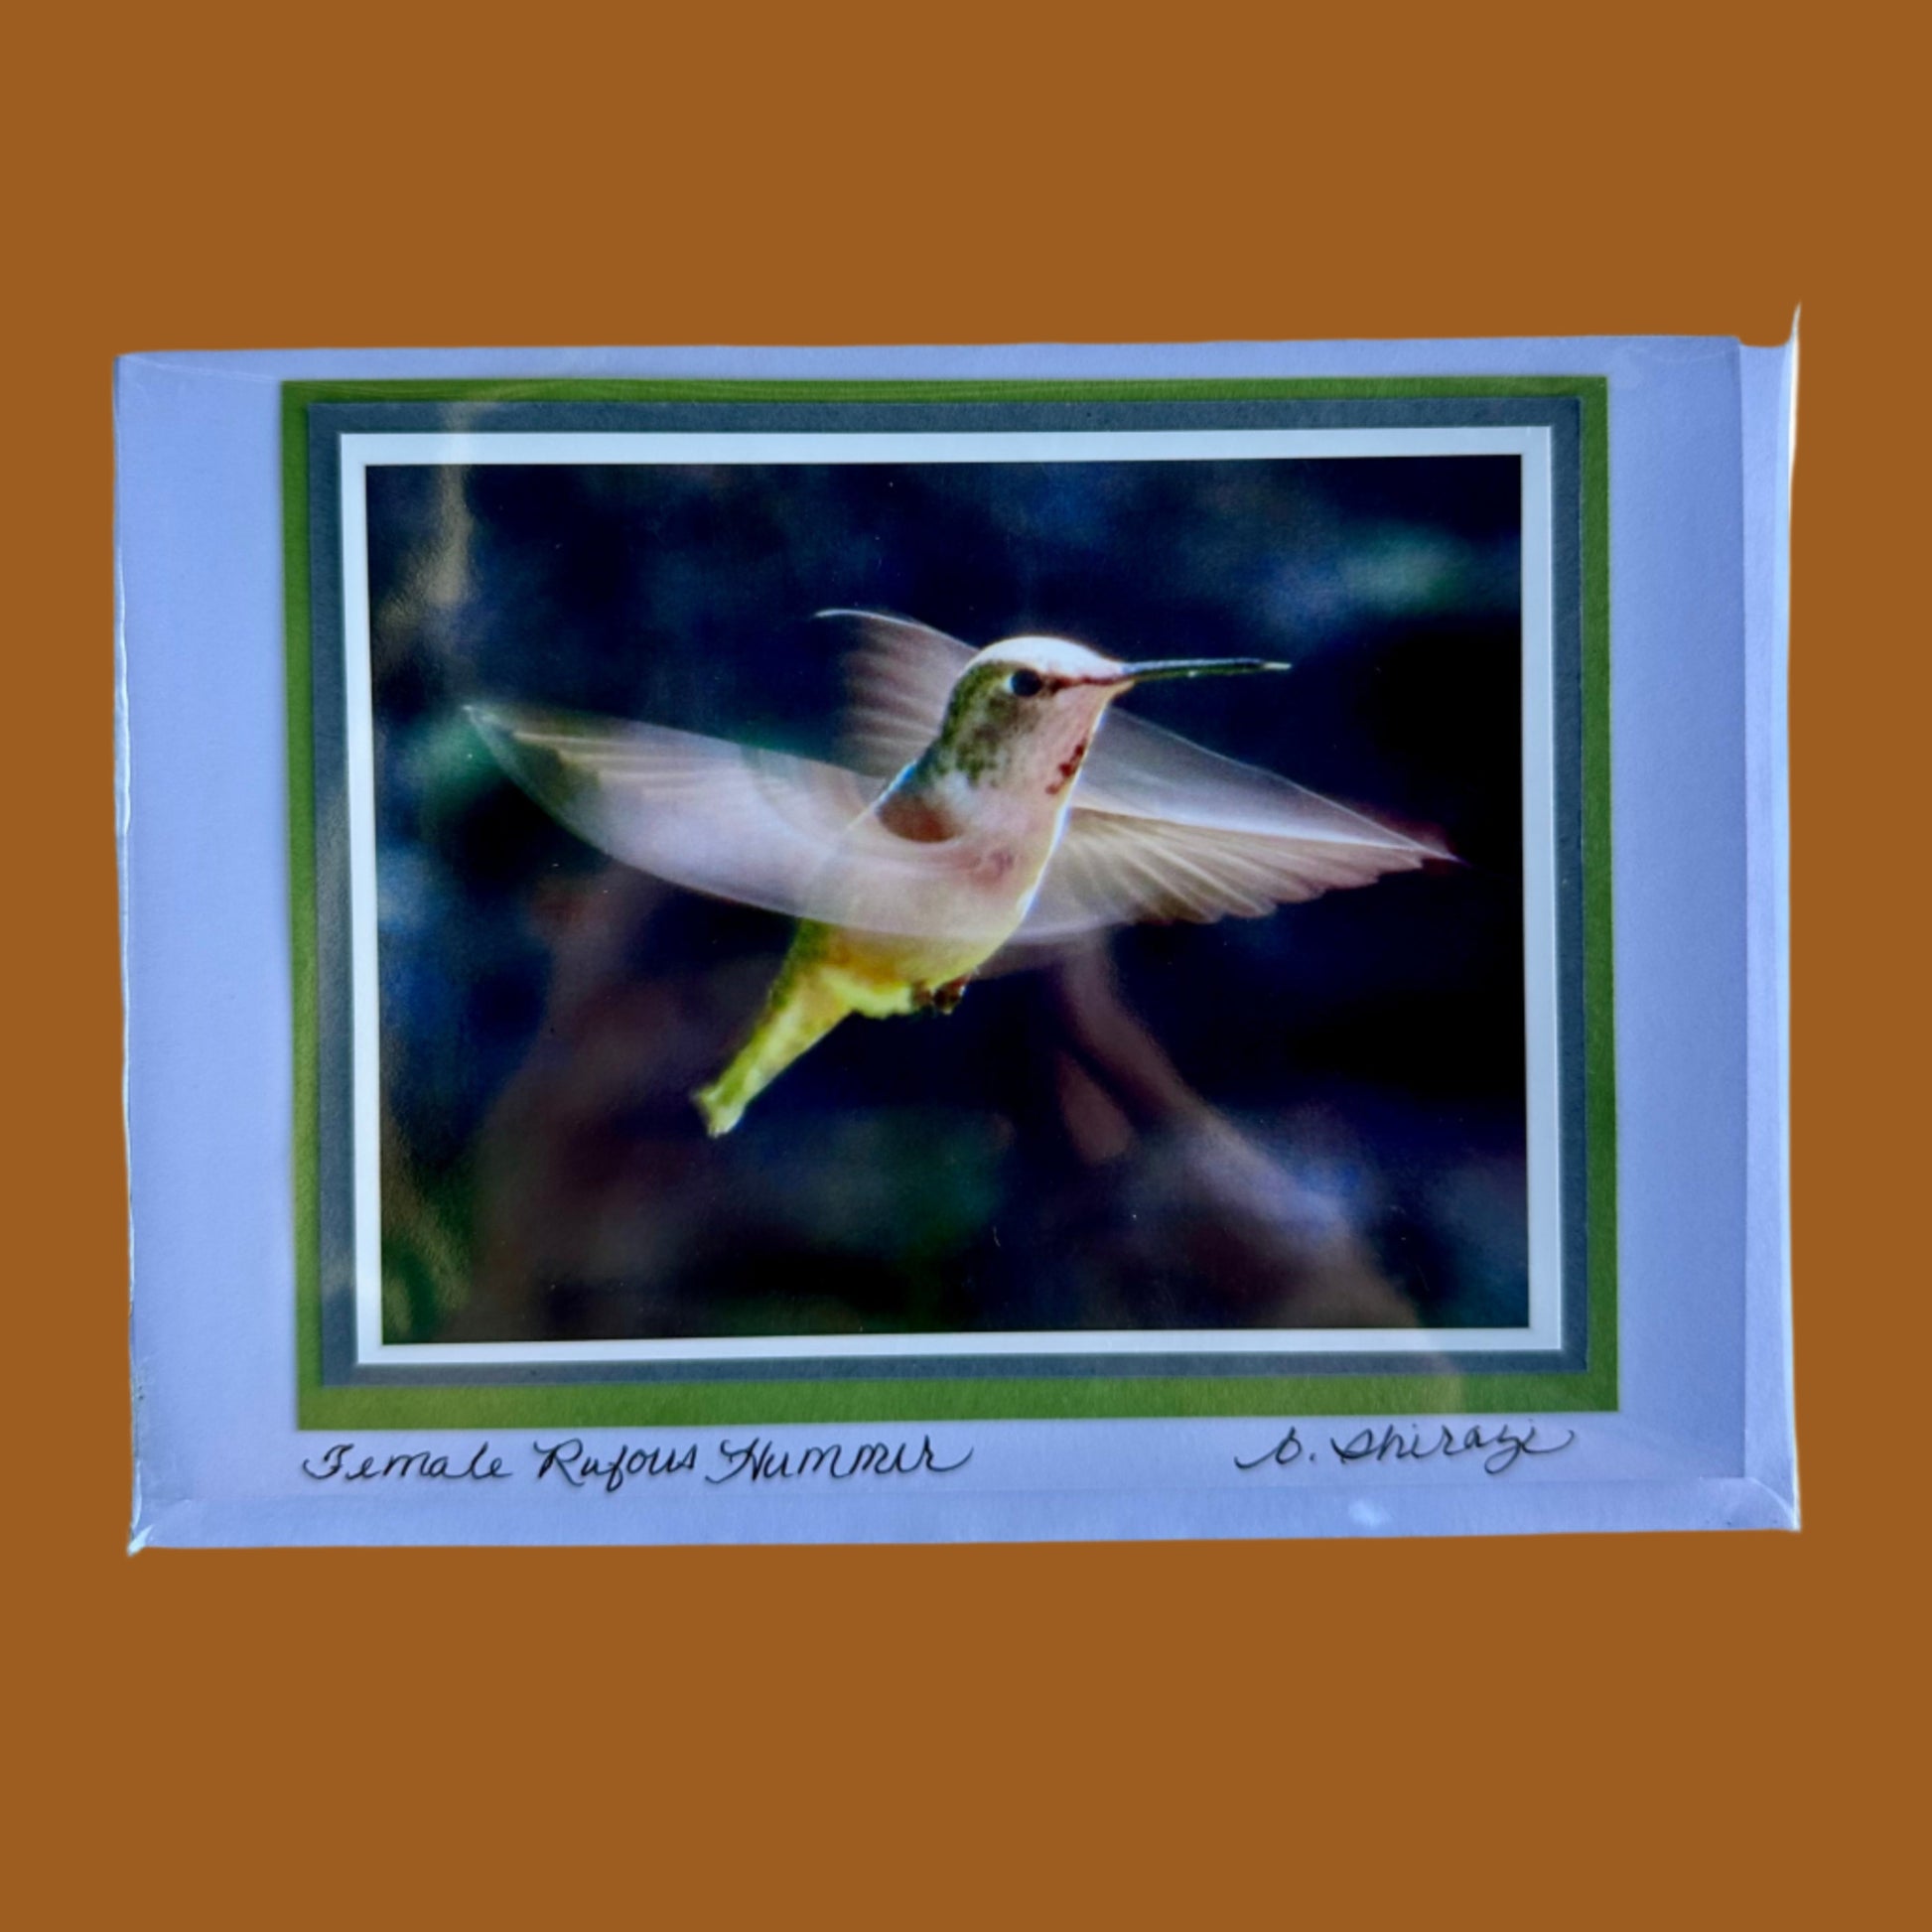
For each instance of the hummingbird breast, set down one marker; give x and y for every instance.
(979, 858)
(910, 812)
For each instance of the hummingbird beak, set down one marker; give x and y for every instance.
(1195, 667)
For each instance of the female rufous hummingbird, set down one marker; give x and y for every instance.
(982, 807)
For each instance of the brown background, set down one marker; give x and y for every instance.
(1535, 1732)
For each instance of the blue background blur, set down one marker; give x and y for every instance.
(1311, 1119)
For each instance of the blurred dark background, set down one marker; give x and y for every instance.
(1313, 1119)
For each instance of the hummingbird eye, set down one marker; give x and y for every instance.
(1025, 684)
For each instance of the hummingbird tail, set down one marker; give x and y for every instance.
(799, 1011)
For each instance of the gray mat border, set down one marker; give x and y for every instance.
(330, 422)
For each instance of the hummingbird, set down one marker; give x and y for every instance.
(978, 808)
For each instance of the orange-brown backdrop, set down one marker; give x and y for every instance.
(1531, 1733)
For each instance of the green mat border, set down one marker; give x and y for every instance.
(858, 1398)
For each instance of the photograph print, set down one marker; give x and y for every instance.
(967, 891)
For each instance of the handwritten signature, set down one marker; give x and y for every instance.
(1500, 1449)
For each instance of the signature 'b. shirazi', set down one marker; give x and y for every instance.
(992, 801)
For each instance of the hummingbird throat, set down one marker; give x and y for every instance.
(992, 737)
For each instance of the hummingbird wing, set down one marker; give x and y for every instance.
(1164, 829)
(789, 834)
(1116, 869)
(898, 678)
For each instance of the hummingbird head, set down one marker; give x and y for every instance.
(1022, 713)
